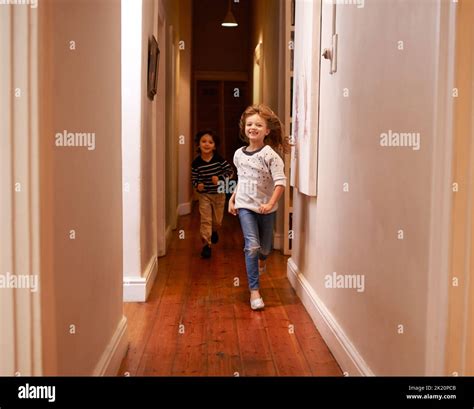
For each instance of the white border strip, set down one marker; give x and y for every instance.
(345, 353)
(111, 359)
(441, 198)
(136, 289)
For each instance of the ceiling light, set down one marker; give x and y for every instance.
(229, 20)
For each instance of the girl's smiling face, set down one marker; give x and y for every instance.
(207, 144)
(256, 128)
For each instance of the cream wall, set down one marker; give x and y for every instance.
(151, 159)
(148, 226)
(132, 101)
(184, 113)
(81, 189)
(390, 189)
(169, 67)
(171, 179)
(139, 148)
(168, 165)
(267, 29)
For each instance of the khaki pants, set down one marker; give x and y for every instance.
(211, 207)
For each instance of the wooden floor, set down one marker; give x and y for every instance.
(197, 322)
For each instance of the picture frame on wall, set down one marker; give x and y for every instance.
(153, 66)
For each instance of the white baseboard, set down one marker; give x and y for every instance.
(184, 208)
(111, 359)
(136, 289)
(278, 241)
(345, 353)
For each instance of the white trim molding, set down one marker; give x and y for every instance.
(137, 289)
(345, 353)
(441, 198)
(110, 361)
(20, 307)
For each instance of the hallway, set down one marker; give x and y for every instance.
(101, 273)
(197, 323)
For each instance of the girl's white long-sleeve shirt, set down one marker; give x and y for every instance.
(259, 172)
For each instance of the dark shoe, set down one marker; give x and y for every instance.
(206, 252)
(214, 237)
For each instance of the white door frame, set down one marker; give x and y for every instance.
(460, 333)
(257, 80)
(20, 308)
(172, 136)
(161, 115)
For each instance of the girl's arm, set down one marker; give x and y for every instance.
(276, 167)
(232, 209)
(277, 192)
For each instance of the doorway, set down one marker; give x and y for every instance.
(218, 106)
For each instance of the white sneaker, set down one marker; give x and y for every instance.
(257, 304)
(262, 266)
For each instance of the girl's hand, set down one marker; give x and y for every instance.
(201, 186)
(265, 208)
(232, 209)
(215, 180)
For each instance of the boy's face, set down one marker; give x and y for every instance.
(206, 144)
(256, 128)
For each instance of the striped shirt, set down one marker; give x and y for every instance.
(202, 172)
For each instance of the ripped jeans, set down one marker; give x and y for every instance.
(258, 234)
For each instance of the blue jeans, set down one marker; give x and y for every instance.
(258, 233)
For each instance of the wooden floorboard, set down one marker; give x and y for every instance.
(198, 322)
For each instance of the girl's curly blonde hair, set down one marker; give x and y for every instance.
(275, 138)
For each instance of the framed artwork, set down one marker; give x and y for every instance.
(153, 65)
(305, 109)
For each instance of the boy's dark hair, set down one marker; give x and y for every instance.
(209, 132)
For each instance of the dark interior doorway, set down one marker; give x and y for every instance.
(222, 60)
(219, 105)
